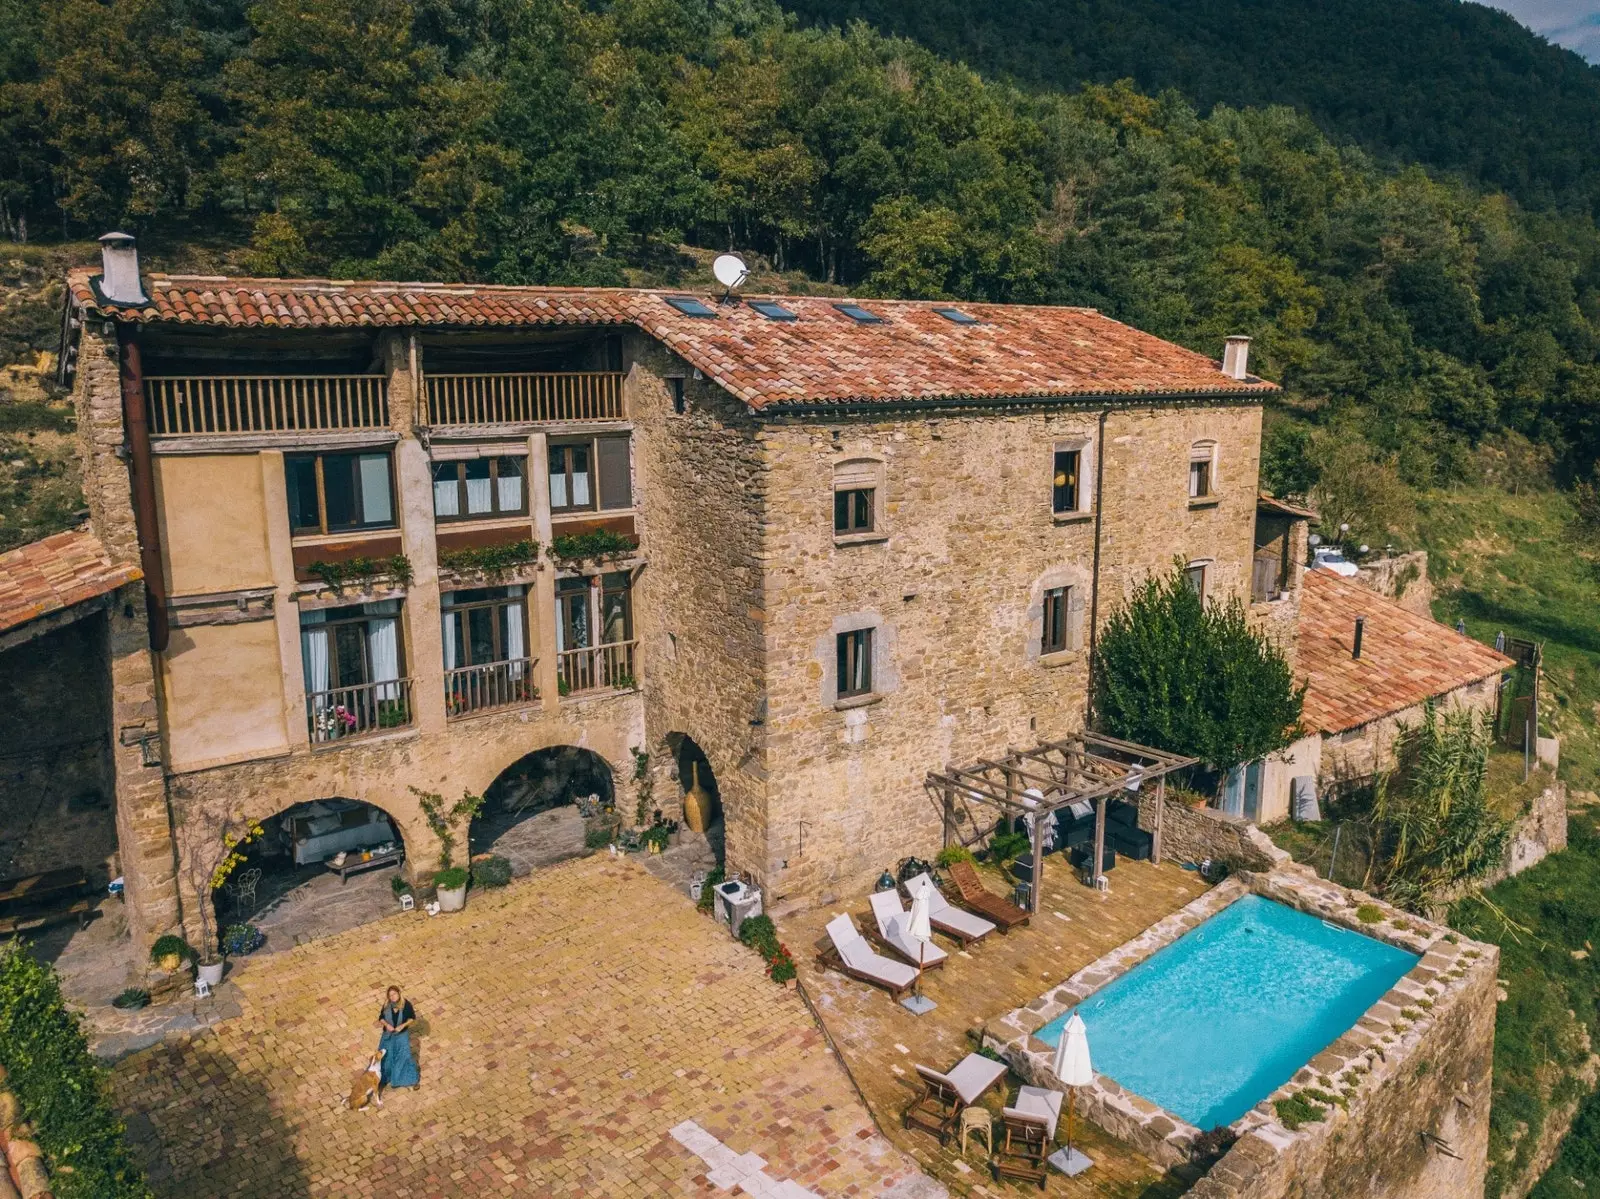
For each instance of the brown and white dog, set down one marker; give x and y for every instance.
(364, 1090)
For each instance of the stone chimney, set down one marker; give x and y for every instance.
(119, 271)
(1236, 357)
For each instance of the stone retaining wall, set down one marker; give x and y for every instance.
(1196, 834)
(1537, 833)
(1411, 1080)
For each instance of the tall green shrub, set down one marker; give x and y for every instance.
(1193, 678)
(61, 1088)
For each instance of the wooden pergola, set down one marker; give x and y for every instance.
(1041, 781)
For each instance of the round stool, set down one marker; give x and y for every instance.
(977, 1119)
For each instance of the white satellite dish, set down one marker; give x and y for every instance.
(730, 270)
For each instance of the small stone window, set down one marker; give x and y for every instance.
(1064, 485)
(1195, 575)
(1203, 470)
(1057, 605)
(856, 485)
(854, 651)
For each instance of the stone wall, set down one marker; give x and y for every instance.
(1537, 833)
(701, 606)
(56, 785)
(1196, 834)
(951, 583)
(1403, 578)
(1356, 755)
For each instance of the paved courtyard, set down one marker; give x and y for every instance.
(584, 1032)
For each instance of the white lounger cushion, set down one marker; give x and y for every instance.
(1038, 1104)
(859, 956)
(946, 914)
(971, 1077)
(893, 921)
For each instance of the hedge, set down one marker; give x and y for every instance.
(61, 1088)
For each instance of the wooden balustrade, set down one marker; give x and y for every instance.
(469, 689)
(599, 668)
(523, 398)
(345, 712)
(208, 405)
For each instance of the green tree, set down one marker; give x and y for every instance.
(1193, 678)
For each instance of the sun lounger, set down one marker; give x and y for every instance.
(1024, 1150)
(1039, 1104)
(944, 1095)
(850, 954)
(946, 917)
(893, 924)
(977, 898)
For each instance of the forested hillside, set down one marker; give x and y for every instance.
(1448, 84)
(1426, 332)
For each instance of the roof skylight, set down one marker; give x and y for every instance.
(956, 317)
(690, 306)
(859, 314)
(773, 311)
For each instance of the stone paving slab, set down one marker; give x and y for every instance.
(566, 1026)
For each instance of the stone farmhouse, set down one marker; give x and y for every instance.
(359, 540)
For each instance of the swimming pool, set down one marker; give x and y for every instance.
(1225, 1015)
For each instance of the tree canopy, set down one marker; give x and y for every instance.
(1416, 321)
(1193, 678)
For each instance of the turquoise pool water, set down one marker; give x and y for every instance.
(1218, 1020)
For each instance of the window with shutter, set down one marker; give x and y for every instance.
(616, 485)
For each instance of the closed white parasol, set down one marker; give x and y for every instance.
(1072, 1066)
(919, 927)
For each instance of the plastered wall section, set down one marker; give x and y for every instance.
(952, 589)
(1359, 753)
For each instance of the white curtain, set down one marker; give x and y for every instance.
(376, 508)
(510, 487)
(314, 658)
(447, 623)
(446, 497)
(580, 489)
(383, 642)
(478, 495)
(513, 640)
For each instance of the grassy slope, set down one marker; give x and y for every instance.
(1512, 563)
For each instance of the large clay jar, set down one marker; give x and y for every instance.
(699, 809)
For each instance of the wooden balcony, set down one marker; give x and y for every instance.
(347, 713)
(220, 405)
(524, 399)
(472, 689)
(600, 668)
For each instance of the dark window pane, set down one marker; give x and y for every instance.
(350, 654)
(616, 489)
(1064, 484)
(855, 663)
(852, 511)
(1055, 620)
(841, 511)
(480, 635)
(340, 491)
(301, 477)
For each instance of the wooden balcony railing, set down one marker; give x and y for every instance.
(469, 689)
(347, 712)
(203, 405)
(524, 399)
(601, 668)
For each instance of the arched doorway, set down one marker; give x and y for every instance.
(540, 809)
(691, 765)
(319, 867)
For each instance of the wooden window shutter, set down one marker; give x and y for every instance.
(616, 486)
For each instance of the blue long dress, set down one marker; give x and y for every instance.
(399, 1068)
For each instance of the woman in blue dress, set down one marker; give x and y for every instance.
(399, 1068)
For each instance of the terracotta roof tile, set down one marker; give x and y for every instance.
(823, 357)
(46, 576)
(1405, 658)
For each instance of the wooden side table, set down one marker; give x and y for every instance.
(977, 1119)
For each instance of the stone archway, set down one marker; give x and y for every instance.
(690, 763)
(534, 812)
(325, 865)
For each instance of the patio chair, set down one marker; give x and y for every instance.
(893, 924)
(946, 917)
(975, 897)
(1040, 1103)
(242, 889)
(938, 1107)
(1024, 1150)
(850, 954)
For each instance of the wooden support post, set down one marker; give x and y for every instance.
(1161, 813)
(1099, 839)
(1038, 863)
(949, 813)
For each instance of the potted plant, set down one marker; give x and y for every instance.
(450, 883)
(213, 845)
(241, 940)
(132, 999)
(169, 952)
(491, 870)
(401, 889)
